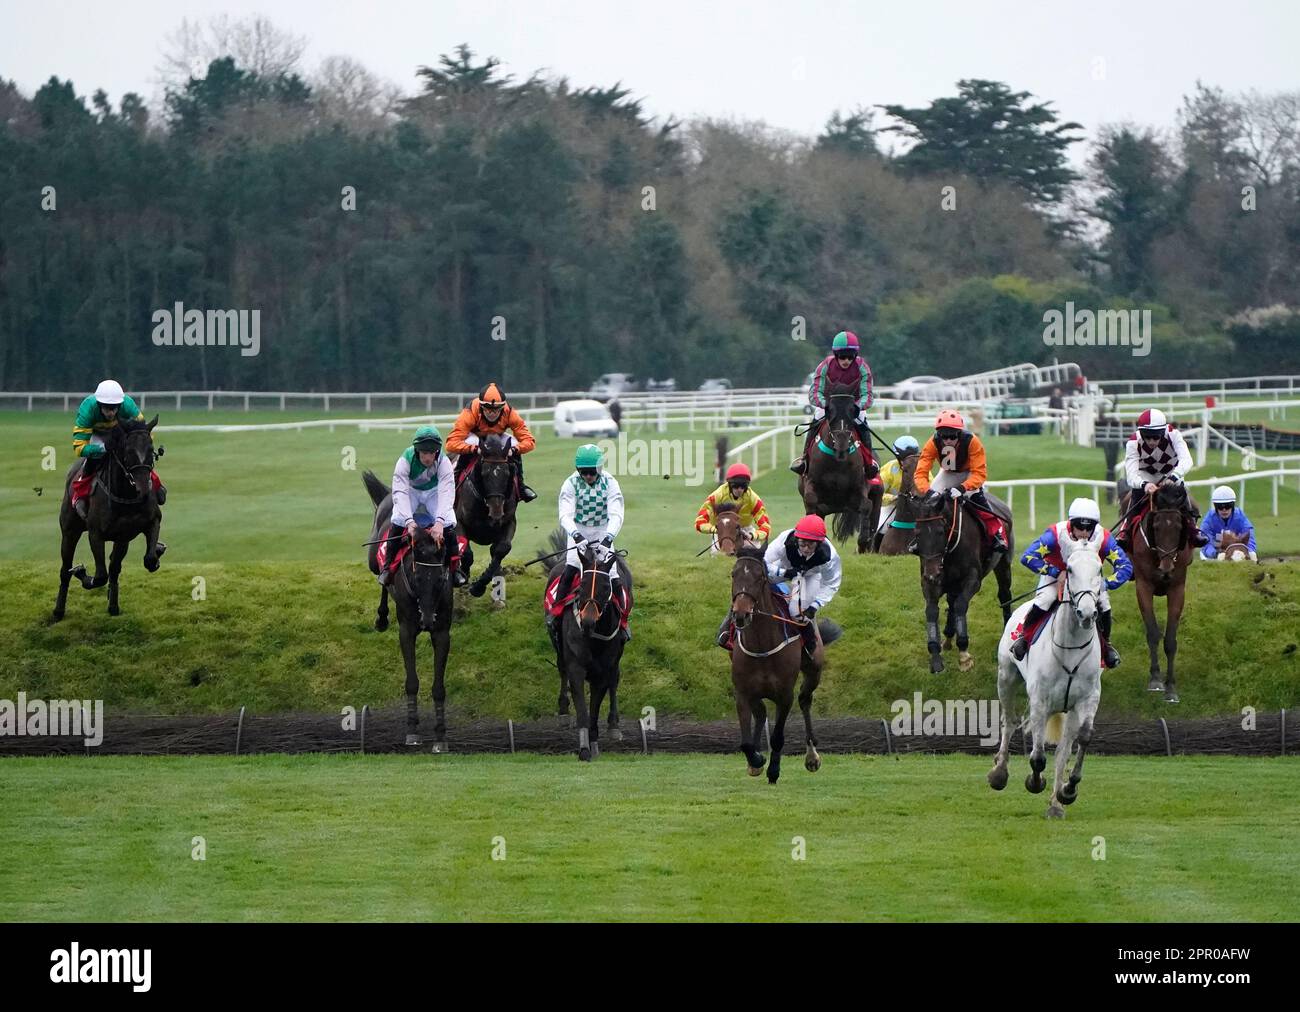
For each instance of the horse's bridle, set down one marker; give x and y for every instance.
(578, 604)
(763, 579)
(954, 531)
(1152, 513)
(129, 470)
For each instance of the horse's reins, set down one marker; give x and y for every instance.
(954, 531)
(740, 631)
(600, 612)
(116, 459)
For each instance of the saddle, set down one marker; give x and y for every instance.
(404, 546)
(556, 600)
(781, 601)
(870, 466)
(1036, 628)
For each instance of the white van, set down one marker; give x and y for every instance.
(583, 420)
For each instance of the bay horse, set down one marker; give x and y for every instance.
(834, 480)
(1233, 547)
(485, 507)
(766, 656)
(1161, 554)
(728, 536)
(122, 506)
(421, 589)
(1062, 679)
(896, 536)
(589, 645)
(954, 561)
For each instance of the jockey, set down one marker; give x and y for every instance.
(1157, 455)
(489, 414)
(846, 366)
(591, 509)
(1047, 557)
(1226, 517)
(423, 483)
(891, 475)
(963, 469)
(754, 522)
(804, 552)
(98, 413)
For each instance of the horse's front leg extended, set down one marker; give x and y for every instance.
(68, 552)
(1067, 793)
(97, 551)
(598, 690)
(1146, 605)
(950, 621)
(615, 733)
(1034, 782)
(1063, 747)
(932, 630)
(406, 637)
(114, 573)
(1007, 676)
(441, 637)
(1173, 616)
(783, 706)
(962, 605)
(499, 550)
(151, 546)
(754, 759)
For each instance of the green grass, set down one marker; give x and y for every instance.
(273, 525)
(642, 838)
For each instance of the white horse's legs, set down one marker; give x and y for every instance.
(1063, 749)
(1034, 782)
(1007, 676)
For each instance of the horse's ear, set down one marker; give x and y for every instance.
(153, 423)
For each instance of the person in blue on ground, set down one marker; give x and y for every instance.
(1226, 517)
(1047, 557)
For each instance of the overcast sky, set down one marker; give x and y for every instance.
(789, 63)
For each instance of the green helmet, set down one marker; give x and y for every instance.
(427, 437)
(588, 455)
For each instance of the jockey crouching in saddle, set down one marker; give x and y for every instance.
(750, 511)
(963, 469)
(805, 568)
(591, 512)
(1154, 456)
(1226, 517)
(97, 414)
(424, 488)
(844, 365)
(489, 414)
(1047, 557)
(891, 479)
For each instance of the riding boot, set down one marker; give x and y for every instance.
(89, 465)
(1103, 627)
(395, 535)
(864, 435)
(459, 577)
(799, 466)
(724, 632)
(1021, 646)
(981, 503)
(525, 493)
(1195, 535)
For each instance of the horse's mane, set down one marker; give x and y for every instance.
(726, 507)
(750, 552)
(497, 442)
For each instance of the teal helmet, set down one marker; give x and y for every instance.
(588, 455)
(427, 437)
(904, 445)
(845, 340)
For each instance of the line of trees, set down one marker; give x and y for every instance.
(593, 238)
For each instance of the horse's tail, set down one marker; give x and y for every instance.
(375, 487)
(829, 631)
(556, 542)
(845, 525)
(1055, 727)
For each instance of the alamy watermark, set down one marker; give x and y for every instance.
(1107, 327)
(671, 458)
(216, 328)
(65, 718)
(949, 718)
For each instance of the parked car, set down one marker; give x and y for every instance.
(930, 388)
(583, 419)
(715, 386)
(667, 386)
(613, 384)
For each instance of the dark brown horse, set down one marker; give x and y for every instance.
(485, 508)
(1161, 554)
(835, 480)
(900, 529)
(421, 589)
(955, 558)
(122, 506)
(728, 534)
(766, 656)
(589, 645)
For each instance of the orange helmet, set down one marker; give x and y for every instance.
(811, 528)
(492, 397)
(738, 471)
(950, 419)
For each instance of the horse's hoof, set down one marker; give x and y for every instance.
(998, 777)
(947, 642)
(812, 763)
(151, 564)
(595, 750)
(412, 740)
(477, 590)
(614, 734)
(1171, 696)
(965, 662)
(936, 664)
(439, 747)
(1034, 786)
(1155, 685)
(1055, 812)
(56, 615)
(381, 623)
(755, 770)
(584, 755)
(772, 778)
(1067, 795)
(114, 610)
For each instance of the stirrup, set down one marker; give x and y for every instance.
(1112, 657)
(1020, 647)
(526, 493)
(798, 466)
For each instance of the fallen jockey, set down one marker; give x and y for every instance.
(891, 480)
(737, 494)
(490, 414)
(844, 366)
(590, 512)
(1226, 517)
(805, 573)
(1155, 455)
(1048, 556)
(424, 486)
(97, 414)
(963, 469)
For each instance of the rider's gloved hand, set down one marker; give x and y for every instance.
(607, 541)
(708, 529)
(787, 574)
(810, 612)
(956, 492)
(577, 537)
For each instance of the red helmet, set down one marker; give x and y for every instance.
(950, 419)
(811, 528)
(738, 471)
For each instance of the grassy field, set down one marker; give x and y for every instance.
(642, 838)
(272, 523)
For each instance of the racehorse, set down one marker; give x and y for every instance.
(954, 561)
(589, 645)
(899, 530)
(1161, 554)
(1062, 678)
(1233, 547)
(421, 589)
(485, 507)
(728, 535)
(834, 480)
(122, 505)
(766, 656)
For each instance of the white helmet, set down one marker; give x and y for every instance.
(1152, 418)
(109, 392)
(1223, 494)
(1085, 509)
